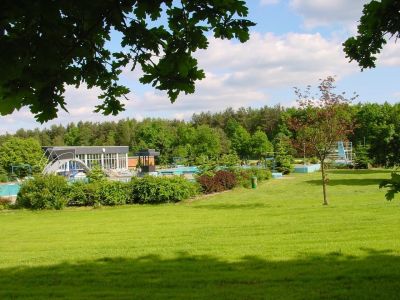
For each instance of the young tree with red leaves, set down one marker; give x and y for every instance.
(321, 122)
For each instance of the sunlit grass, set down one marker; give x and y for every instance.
(275, 242)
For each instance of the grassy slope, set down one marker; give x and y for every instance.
(276, 242)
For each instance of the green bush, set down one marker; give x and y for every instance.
(84, 194)
(5, 203)
(100, 192)
(44, 192)
(3, 175)
(283, 164)
(96, 174)
(362, 160)
(114, 193)
(152, 190)
(244, 176)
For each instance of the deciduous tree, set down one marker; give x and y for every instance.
(322, 123)
(18, 151)
(46, 45)
(380, 20)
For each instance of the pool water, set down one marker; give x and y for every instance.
(10, 189)
(179, 171)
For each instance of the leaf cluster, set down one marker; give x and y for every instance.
(393, 185)
(48, 45)
(379, 20)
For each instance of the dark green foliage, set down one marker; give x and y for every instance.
(229, 160)
(84, 194)
(239, 137)
(5, 203)
(96, 174)
(283, 164)
(114, 193)
(24, 153)
(260, 146)
(53, 192)
(44, 192)
(244, 175)
(393, 185)
(283, 159)
(378, 125)
(380, 18)
(362, 161)
(155, 190)
(40, 56)
(3, 175)
(100, 192)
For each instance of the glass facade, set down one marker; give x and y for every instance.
(93, 160)
(105, 161)
(123, 160)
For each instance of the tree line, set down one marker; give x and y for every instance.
(249, 133)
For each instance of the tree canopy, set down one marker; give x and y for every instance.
(18, 151)
(46, 45)
(380, 19)
(322, 122)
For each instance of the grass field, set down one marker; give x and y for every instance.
(276, 242)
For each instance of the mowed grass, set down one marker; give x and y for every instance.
(275, 242)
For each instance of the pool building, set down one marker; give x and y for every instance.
(65, 158)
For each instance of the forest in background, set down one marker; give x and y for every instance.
(251, 133)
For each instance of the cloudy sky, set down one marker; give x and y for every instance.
(295, 43)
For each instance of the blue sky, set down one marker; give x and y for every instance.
(295, 43)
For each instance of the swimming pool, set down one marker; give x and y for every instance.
(179, 171)
(9, 189)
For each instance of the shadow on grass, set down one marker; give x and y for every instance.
(220, 206)
(353, 182)
(355, 171)
(333, 276)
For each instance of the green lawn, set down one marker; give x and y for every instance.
(276, 242)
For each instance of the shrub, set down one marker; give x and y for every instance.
(84, 194)
(220, 181)
(226, 178)
(96, 173)
(152, 190)
(98, 192)
(44, 192)
(362, 161)
(4, 203)
(209, 185)
(339, 166)
(244, 176)
(113, 192)
(3, 175)
(229, 160)
(283, 164)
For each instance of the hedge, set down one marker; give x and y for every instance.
(54, 192)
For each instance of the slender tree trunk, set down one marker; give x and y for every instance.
(324, 182)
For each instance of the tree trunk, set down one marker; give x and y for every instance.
(324, 180)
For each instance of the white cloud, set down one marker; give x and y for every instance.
(268, 2)
(237, 75)
(270, 61)
(323, 12)
(390, 54)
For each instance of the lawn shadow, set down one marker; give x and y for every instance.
(221, 206)
(353, 182)
(358, 171)
(334, 276)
